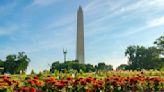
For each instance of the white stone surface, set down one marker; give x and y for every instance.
(80, 37)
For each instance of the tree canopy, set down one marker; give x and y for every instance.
(140, 57)
(15, 64)
(75, 65)
(160, 44)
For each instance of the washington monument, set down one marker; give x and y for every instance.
(80, 37)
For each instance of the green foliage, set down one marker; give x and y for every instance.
(75, 65)
(162, 69)
(160, 44)
(122, 67)
(140, 57)
(32, 72)
(24, 73)
(46, 72)
(15, 64)
(103, 66)
(1, 63)
(40, 74)
(56, 73)
(10, 64)
(67, 65)
(89, 68)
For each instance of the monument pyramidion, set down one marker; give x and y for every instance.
(80, 37)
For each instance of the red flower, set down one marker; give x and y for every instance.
(95, 85)
(50, 80)
(32, 90)
(114, 83)
(5, 77)
(60, 85)
(69, 78)
(87, 90)
(23, 89)
(83, 82)
(64, 81)
(31, 82)
(14, 81)
(133, 80)
(36, 77)
(88, 80)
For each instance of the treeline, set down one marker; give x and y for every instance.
(75, 65)
(15, 64)
(140, 57)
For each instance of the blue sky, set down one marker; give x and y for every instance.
(42, 28)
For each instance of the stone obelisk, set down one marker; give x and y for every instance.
(80, 37)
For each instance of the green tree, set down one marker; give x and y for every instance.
(32, 72)
(100, 66)
(14, 64)
(108, 67)
(160, 44)
(140, 57)
(22, 62)
(54, 66)
(90, 68)
(1, 63)
(103, 66)
(130, 52)
(9, 64)
(122, 67)
(75, 65)
(1, 67)
(68, 65)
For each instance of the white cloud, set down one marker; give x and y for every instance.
(62, 22)
(120, 10)
(43, 2)
(99, 12)
(8, 30)
(149, 24)
(156, 22)
(142, 5)
(158, 3)
(115, 8)
(40, 3)
(93, 5)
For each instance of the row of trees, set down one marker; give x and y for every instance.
(15, 64)
(140, 57)
(75, 65)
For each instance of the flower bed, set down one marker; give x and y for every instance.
(35, 83)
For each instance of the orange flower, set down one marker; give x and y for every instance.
(31, 82)
(32, 89)
(83, 82)
(60, 85)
